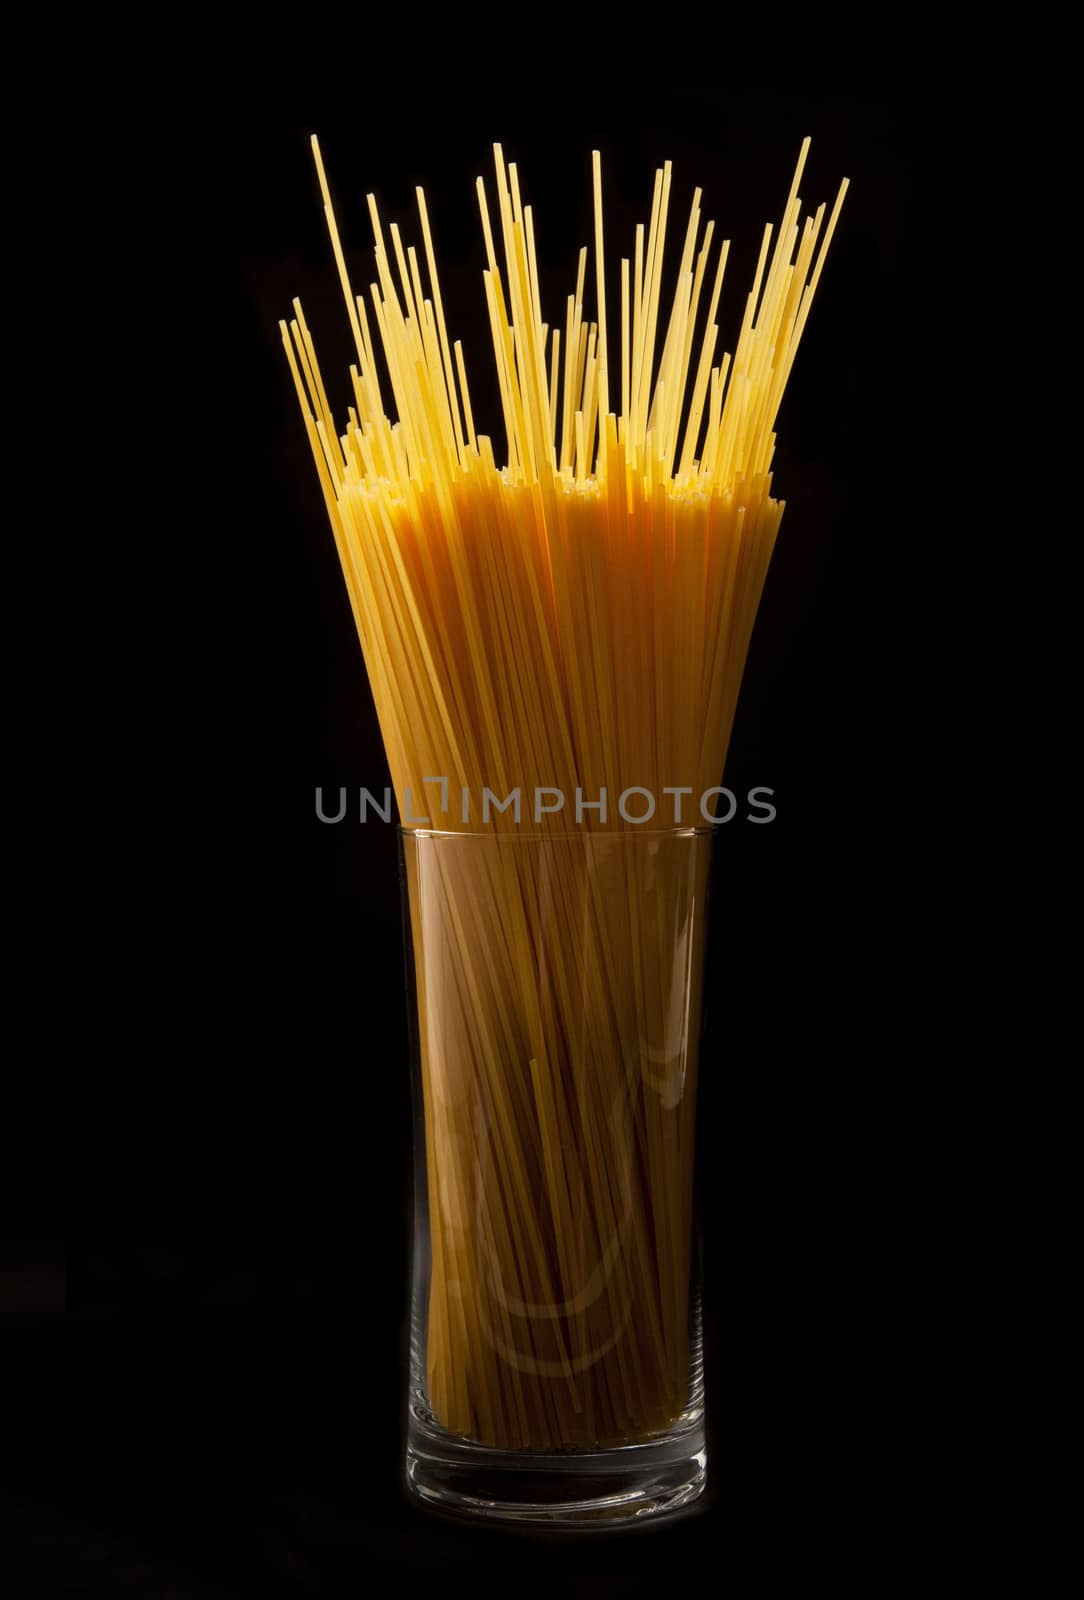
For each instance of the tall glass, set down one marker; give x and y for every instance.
(556, 996)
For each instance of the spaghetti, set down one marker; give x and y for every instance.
(575, 621)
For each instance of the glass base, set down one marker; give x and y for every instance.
(572, 1489)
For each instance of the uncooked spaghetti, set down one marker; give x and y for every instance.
(574, 623)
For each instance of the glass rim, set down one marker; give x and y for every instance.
(536, 836)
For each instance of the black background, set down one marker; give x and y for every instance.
(231, 1415)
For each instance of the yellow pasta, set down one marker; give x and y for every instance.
(573, 622)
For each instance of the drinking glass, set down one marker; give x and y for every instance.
(555, 991)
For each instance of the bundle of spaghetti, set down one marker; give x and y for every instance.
(574, 623)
